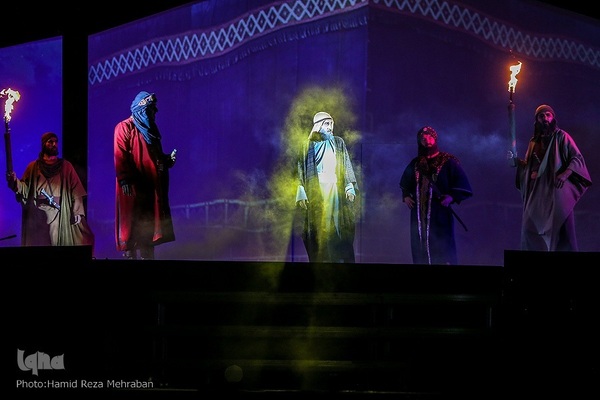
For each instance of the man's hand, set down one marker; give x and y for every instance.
(515, 160)
(173, 157)
(11, 179)
(302, 204)
(350, 197)
(562, 178)
(77, 219)
(446, 200)
(127, 189)
(410, 203)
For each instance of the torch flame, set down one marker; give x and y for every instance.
(12, 96)
(514, 70)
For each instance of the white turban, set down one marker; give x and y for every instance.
(318, 120)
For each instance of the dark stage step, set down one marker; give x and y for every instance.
(193, 328)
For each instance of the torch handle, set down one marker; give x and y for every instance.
(9, 161)
(512, 133)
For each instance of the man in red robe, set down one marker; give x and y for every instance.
(143, 214)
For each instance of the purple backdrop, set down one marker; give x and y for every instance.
(230, 77)
(238, 82)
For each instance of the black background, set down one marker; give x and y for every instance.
(25, 22)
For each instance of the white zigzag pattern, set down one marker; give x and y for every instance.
(194, 46)
(204, 44)
(498, 33)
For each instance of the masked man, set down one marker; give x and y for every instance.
(143, 214)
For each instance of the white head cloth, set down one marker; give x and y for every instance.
(318, 120)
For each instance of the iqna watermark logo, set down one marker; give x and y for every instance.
(39, 360)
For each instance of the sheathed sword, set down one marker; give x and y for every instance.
(457, 217)
(439, 196)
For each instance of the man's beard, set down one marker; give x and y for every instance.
(428, 151)
(50, 152)
(319, 136)
(546, 128)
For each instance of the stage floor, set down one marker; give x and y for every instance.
(192, 328)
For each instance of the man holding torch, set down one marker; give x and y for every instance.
(552, 178)
(51, 196)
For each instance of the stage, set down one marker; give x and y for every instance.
(192, 328)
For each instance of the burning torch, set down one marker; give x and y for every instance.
(512, 83)
(11, 97)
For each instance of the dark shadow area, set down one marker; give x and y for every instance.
(266, 329)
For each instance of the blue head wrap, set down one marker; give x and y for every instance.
(144, 122)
